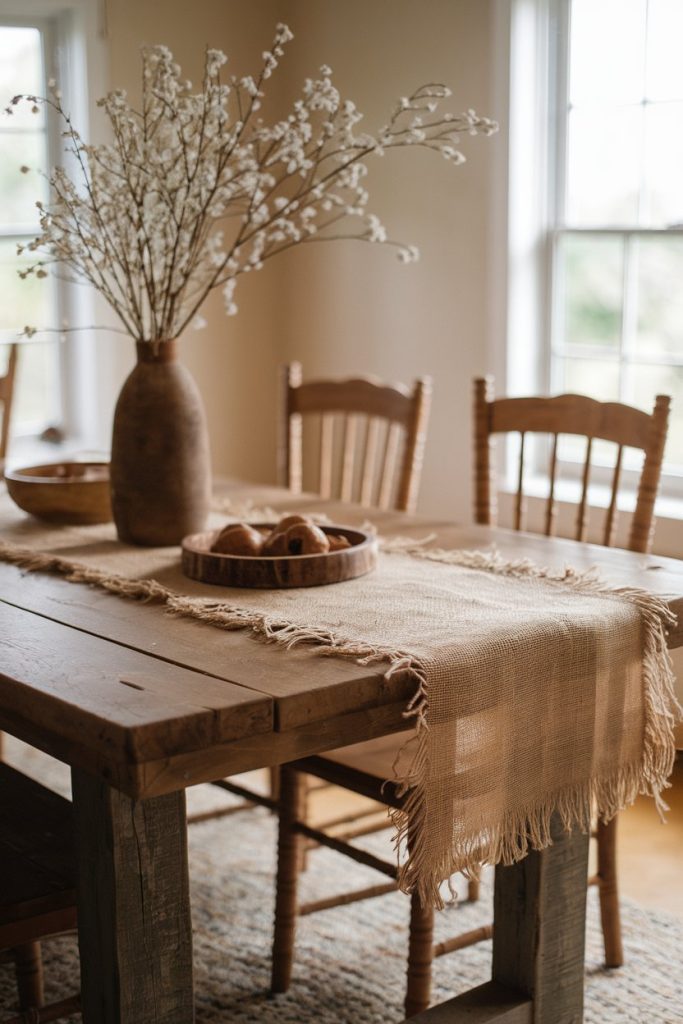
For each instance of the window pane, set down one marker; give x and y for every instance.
(607, 51)
(663, 198)
(664, 380)
(19, 192)
(597, 378)
(590, 283)
(24, 302)
(664, 80)
(660, 296)
(604, 166)
(21, 71)
(37, 404)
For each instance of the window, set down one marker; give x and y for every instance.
(60, 381)
(24, 141)
(615, 213)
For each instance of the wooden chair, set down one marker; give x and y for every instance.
(363, 768)
(626, 427)
(383, 434)
(621, 424)
(37, 886)
(6, 395)
(382, 437)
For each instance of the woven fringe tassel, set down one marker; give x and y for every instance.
(511, 839)
(504, 841)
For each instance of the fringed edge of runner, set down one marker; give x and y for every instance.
(529, 828)
(226, 616)
(510, 839)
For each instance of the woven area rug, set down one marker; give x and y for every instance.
(350, 961)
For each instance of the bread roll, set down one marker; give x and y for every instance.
(306, 539)
(238, 539)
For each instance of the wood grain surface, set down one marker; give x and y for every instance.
(134, 927)
(63, 492)
(152, 703)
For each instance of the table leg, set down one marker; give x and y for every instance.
(538, 942)
(134, 926)
(539, 932)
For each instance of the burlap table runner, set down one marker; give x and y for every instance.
(534, 691)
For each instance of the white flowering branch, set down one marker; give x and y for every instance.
(194, 190)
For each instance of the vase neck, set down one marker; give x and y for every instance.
(157, 351)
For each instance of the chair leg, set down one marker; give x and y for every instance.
(288, 864)
(29, 972)
(274, 782)
(420, 956)
(472, 890)
(608, 892)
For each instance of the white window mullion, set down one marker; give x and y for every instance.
(629, 318)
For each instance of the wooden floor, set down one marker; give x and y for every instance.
(651, 854)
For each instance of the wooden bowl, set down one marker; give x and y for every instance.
(280, 571)
(63, 492)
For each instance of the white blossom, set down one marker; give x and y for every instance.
(195, 190)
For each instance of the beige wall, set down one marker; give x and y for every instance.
(348, 307)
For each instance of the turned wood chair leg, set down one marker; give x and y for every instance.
(274, 782)
(288, 866)
(608, 892)
(420, 956)
(472, 890)
(29, 971)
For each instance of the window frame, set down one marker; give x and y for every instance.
(77, 56)
(47, 29)
(530, 363)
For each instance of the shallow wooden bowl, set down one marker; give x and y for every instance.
(282, 571)
(63, 492)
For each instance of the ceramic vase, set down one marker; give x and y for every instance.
(160, 467)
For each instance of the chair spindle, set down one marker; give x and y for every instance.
(550, 510)
(390, 455)
(611, 518)
(485, 490)
(326, 444)
(519, 503)
(642, 524)
(369, 459)
(582, 515)
(350, 430)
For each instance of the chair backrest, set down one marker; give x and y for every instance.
(572, 414)
(6, 394)
(371, 437)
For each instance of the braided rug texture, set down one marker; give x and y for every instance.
(350, 961)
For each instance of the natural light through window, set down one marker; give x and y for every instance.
(24, 143)
(617, 318)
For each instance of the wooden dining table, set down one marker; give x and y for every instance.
(141, 705)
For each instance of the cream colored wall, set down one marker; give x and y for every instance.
(348, 307)
(355, 308)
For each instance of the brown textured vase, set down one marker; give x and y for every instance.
(160, 468)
